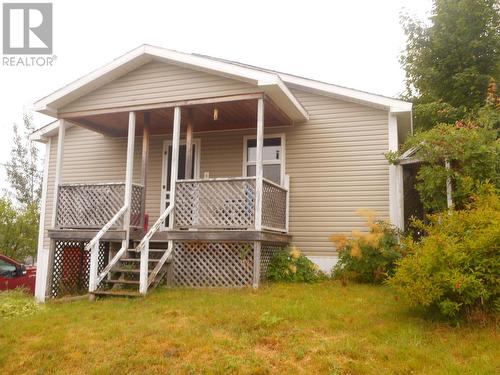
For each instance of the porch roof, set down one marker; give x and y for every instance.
(270, 83)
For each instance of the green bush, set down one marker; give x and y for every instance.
(367, 257)
(455, 268)
(289, 265)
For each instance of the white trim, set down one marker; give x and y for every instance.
(259, 168)
(396, 198)
(324, 262)
(50, 130)
(174, 169)
(129, 173)
(379, 101)
(58, 168)
(282, 136)
(273, 83)
(42, 253)
(44, 104)
(270, 82)
(196, 172)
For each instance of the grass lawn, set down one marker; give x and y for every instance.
(311, 329)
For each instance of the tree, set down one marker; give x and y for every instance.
(19, 220)
(18, 230)
(450, 63)
(474, 155)
(23, 170)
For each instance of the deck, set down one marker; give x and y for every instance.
(215, 236)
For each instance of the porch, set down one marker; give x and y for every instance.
(210, 231)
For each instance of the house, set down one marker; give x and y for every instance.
(166, 165)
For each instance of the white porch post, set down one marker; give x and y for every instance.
(258, 164)
(174, 169)
(449, 199)
(145, 162)
(396, 204)
(44, 264)
(144, 265)
(189, 146)
(42, 252)
(129, 173)
(257, 248)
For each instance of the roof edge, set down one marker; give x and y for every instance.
(374, 100)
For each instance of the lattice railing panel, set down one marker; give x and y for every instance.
(136, 218)
(93, 205)
(267, 251)
(215, 204)
(213, 264)
(273, 206)
(70, 271)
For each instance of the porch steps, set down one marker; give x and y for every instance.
(161, 251)
(124, 276)
(116, 293)
(125, 282)
(126, 270)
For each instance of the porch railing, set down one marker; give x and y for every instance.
(91, 206)
(222, 203)
(228, 203)
(274, 206)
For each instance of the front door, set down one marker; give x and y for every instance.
(181, 175)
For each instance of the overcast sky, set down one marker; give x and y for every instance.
(353, 43)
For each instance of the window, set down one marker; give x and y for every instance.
(6, 268)
(272, 158)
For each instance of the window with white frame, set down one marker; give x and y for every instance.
(272, 158)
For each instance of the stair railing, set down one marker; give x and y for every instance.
(93, 246)
(143, 248)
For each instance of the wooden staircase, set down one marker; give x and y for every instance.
(123, 278)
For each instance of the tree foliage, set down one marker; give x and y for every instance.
(455, 269)
(18, 230)
(450, 63)
(473, 152)
(23, 170)
(19, 219)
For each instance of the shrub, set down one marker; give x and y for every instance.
(17, 303)
(455, 269)
(472, 149)
(289, 265)
(367, 257)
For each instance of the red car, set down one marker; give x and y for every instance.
(16, 275)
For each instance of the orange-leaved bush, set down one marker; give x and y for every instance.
(367, 256)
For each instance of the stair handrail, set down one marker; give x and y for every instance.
(93, 246)
(106, 227)
(143, 248)
(155, 227)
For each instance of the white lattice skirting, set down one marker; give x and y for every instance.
(217, 264)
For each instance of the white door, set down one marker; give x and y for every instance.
(181, 175)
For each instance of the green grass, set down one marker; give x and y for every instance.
(310, 329)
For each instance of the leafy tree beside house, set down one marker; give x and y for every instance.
(450, 62)
(19, 209)
(452, 67)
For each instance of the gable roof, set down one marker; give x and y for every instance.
(274, 84)
(324, 88)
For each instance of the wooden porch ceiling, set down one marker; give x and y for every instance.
(241, 114)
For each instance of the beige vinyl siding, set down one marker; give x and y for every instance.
(335, 161)
(336, 165)
(157, 82)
